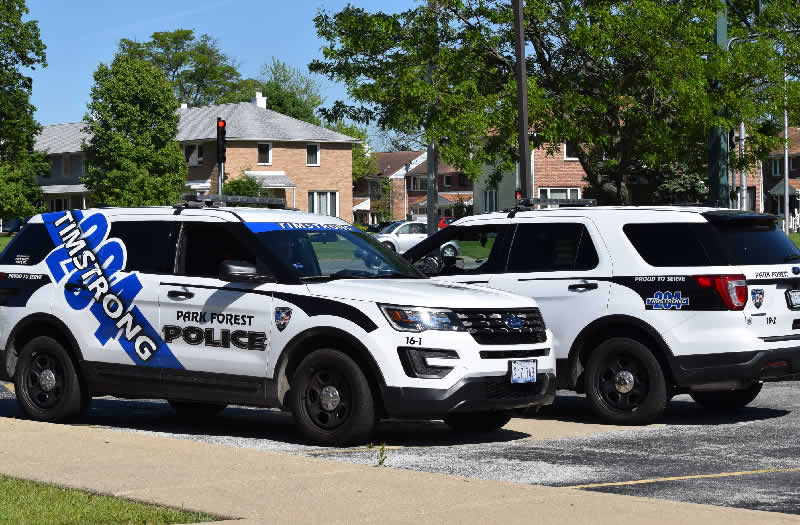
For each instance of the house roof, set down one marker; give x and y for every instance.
(777, 190)
(272, 179)
(245, 121)
(64, 188)
(794, 143)
(422, 168)
(61, 138)
(391, 161)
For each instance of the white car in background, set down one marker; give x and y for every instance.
(401, 236)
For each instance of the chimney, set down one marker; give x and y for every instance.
(260, 100)
(184, 105)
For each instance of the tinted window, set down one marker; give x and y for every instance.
(149, 245)
(206, 244)
(756, 242)
(676, 244)
(552, 247)
(465, 250)
(28, 247)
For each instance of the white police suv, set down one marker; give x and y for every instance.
(206, 306)
(643, 302)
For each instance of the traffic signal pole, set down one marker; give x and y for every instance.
(221, 132)
(719, 190)
(521, 71)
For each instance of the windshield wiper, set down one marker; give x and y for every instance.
(320, 278)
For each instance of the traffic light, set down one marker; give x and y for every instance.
(221, 130)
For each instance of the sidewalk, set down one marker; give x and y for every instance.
(264, 487)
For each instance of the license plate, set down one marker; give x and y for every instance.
(523, 371)
(793, 298)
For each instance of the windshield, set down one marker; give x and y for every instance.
(335, 254)
(390, 228)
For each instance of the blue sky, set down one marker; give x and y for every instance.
(81, 34)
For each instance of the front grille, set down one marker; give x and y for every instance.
(493, 327)
(505, 389)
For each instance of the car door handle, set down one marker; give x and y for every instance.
(582, 286)
(179, 294)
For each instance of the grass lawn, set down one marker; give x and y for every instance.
(4, 241)
(474, 250)
(795, 238)
(30, 502)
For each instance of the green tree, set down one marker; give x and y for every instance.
(133, 158)
(200, 73)
(631, 81)
(243, 186)
(21, 48)
(364, 161)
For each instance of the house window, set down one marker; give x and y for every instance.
(265, 154)
(419, 183)
(312, 154)
(777, 167)
(76, 166)
(559, 193)
(490, 200)
(375, 189)
(570, 151)
(794, 163)
(323, 202)
(447, 180)
(193, 154)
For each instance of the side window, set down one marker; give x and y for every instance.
(553, 247)
(149, 245)
(205, 245)
(674, 244)
(28, 247)
(417, 228)
(404, 229)
(468, 250)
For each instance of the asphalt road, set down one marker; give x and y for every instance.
(749, 458)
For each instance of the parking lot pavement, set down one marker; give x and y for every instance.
(748, 459)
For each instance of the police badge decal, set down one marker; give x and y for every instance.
(758, 297)
(282, 317)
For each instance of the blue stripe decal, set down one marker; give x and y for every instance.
(259, 227)
(85, 255)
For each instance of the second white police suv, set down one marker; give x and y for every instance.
(207, 306)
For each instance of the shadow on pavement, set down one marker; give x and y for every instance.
(251, 423)
(574, 408)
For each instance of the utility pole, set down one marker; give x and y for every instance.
(786, 215)
(719, 189)
(521, 72)
(432, 206)
(742, 175)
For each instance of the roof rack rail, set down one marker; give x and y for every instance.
(196, 200)
(534, 203)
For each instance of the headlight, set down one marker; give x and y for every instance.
(408, 319)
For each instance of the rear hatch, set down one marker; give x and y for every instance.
(756, 247)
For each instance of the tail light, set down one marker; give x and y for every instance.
(731, 288)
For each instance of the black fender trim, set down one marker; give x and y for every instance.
(11, 351)
(593, 330)
(290, 358)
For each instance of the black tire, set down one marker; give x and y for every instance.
(47, 383)
(727, 399)
(618, 359)
(193, 410)
(478, 421)
(351, 419)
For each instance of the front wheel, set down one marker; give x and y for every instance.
(478, 421)
(46, 383)
(624, 383)
(331, 399)
(727, 399)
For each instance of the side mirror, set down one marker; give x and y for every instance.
(242, 272)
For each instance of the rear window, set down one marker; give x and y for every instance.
(28, 247)
(719, 243)
(676, 244)
(756, 242)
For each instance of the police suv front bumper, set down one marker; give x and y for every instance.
(471, 394)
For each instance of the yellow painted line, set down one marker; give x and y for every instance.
(681, 478)
(339, 450)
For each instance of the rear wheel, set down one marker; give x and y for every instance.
(46, 383)
(478, 421)
(331, 399)
(192, 410)
(727, 399)
(624, 383)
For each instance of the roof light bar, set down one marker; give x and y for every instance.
(219, 200)
(559, 202)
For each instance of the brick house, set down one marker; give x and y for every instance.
(310, 166)
(407, 172)
(773, 171)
